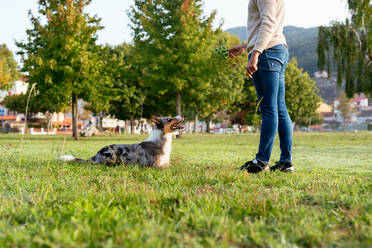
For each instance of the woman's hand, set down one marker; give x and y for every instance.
(252, 64)
(237, 50)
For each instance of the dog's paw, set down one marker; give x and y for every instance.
(165, 166)
(66, 158)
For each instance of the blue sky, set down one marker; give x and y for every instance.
(302, 13)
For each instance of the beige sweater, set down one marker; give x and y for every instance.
(265, 24)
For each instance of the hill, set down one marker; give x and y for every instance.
(302, 43)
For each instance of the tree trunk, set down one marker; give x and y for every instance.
(344, 126)
(195, 122)
(101, 120)
(75, 133)
(178, 104)
(26, 124)
(49, 123)
(127, 126)
(132, 125)
(98, 122)
(208, 120)
(178, 110)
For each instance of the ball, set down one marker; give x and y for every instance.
(221, 53)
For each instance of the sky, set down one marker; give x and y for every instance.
(14, 18)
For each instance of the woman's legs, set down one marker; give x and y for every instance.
(270, 87)
(267, 87)
(285, 124)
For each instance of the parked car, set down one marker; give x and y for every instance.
(219, 130)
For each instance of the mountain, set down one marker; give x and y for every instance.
(302, 43)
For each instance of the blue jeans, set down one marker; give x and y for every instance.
(270, 88)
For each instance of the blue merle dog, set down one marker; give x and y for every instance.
(153, 152)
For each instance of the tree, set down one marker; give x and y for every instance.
(345, 108)
(129, 91)
(8, 68)
(61, 56)
(99, 103)
(220, 83)
(349, 44)
(171, 37)
(16, 103)
(302, 96)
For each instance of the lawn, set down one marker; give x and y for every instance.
(202, 201)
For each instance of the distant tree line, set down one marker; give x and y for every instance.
(169, 67)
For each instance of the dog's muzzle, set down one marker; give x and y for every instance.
(178, 121)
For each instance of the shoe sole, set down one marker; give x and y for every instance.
(265, 170)
(290, 169)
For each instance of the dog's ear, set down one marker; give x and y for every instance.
(155, 119)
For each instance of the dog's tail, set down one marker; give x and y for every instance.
(70, 158)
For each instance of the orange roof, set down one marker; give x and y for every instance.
(67, 121)
(323, 107)
(8, 118)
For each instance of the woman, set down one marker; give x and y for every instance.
(268, 58)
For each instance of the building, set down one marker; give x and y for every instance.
(19, 87)
(326, 111)
(324, 108)
(321, 74)
(328, 117)
(64, 123)
(360, 102)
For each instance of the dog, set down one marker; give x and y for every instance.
(90, 130)
(153, 152)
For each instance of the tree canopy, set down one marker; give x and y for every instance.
(302, 95)
(129, 91)
(220, 83)
(8, 68)
(171, 38)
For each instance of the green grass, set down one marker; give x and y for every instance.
(200, 202)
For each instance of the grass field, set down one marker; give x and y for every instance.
(202, 201)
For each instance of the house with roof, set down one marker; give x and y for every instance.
(326, 111)
(360, 101)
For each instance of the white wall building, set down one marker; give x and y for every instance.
(112, 123)
(321, 74)
(360, 102)
(19, 87)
